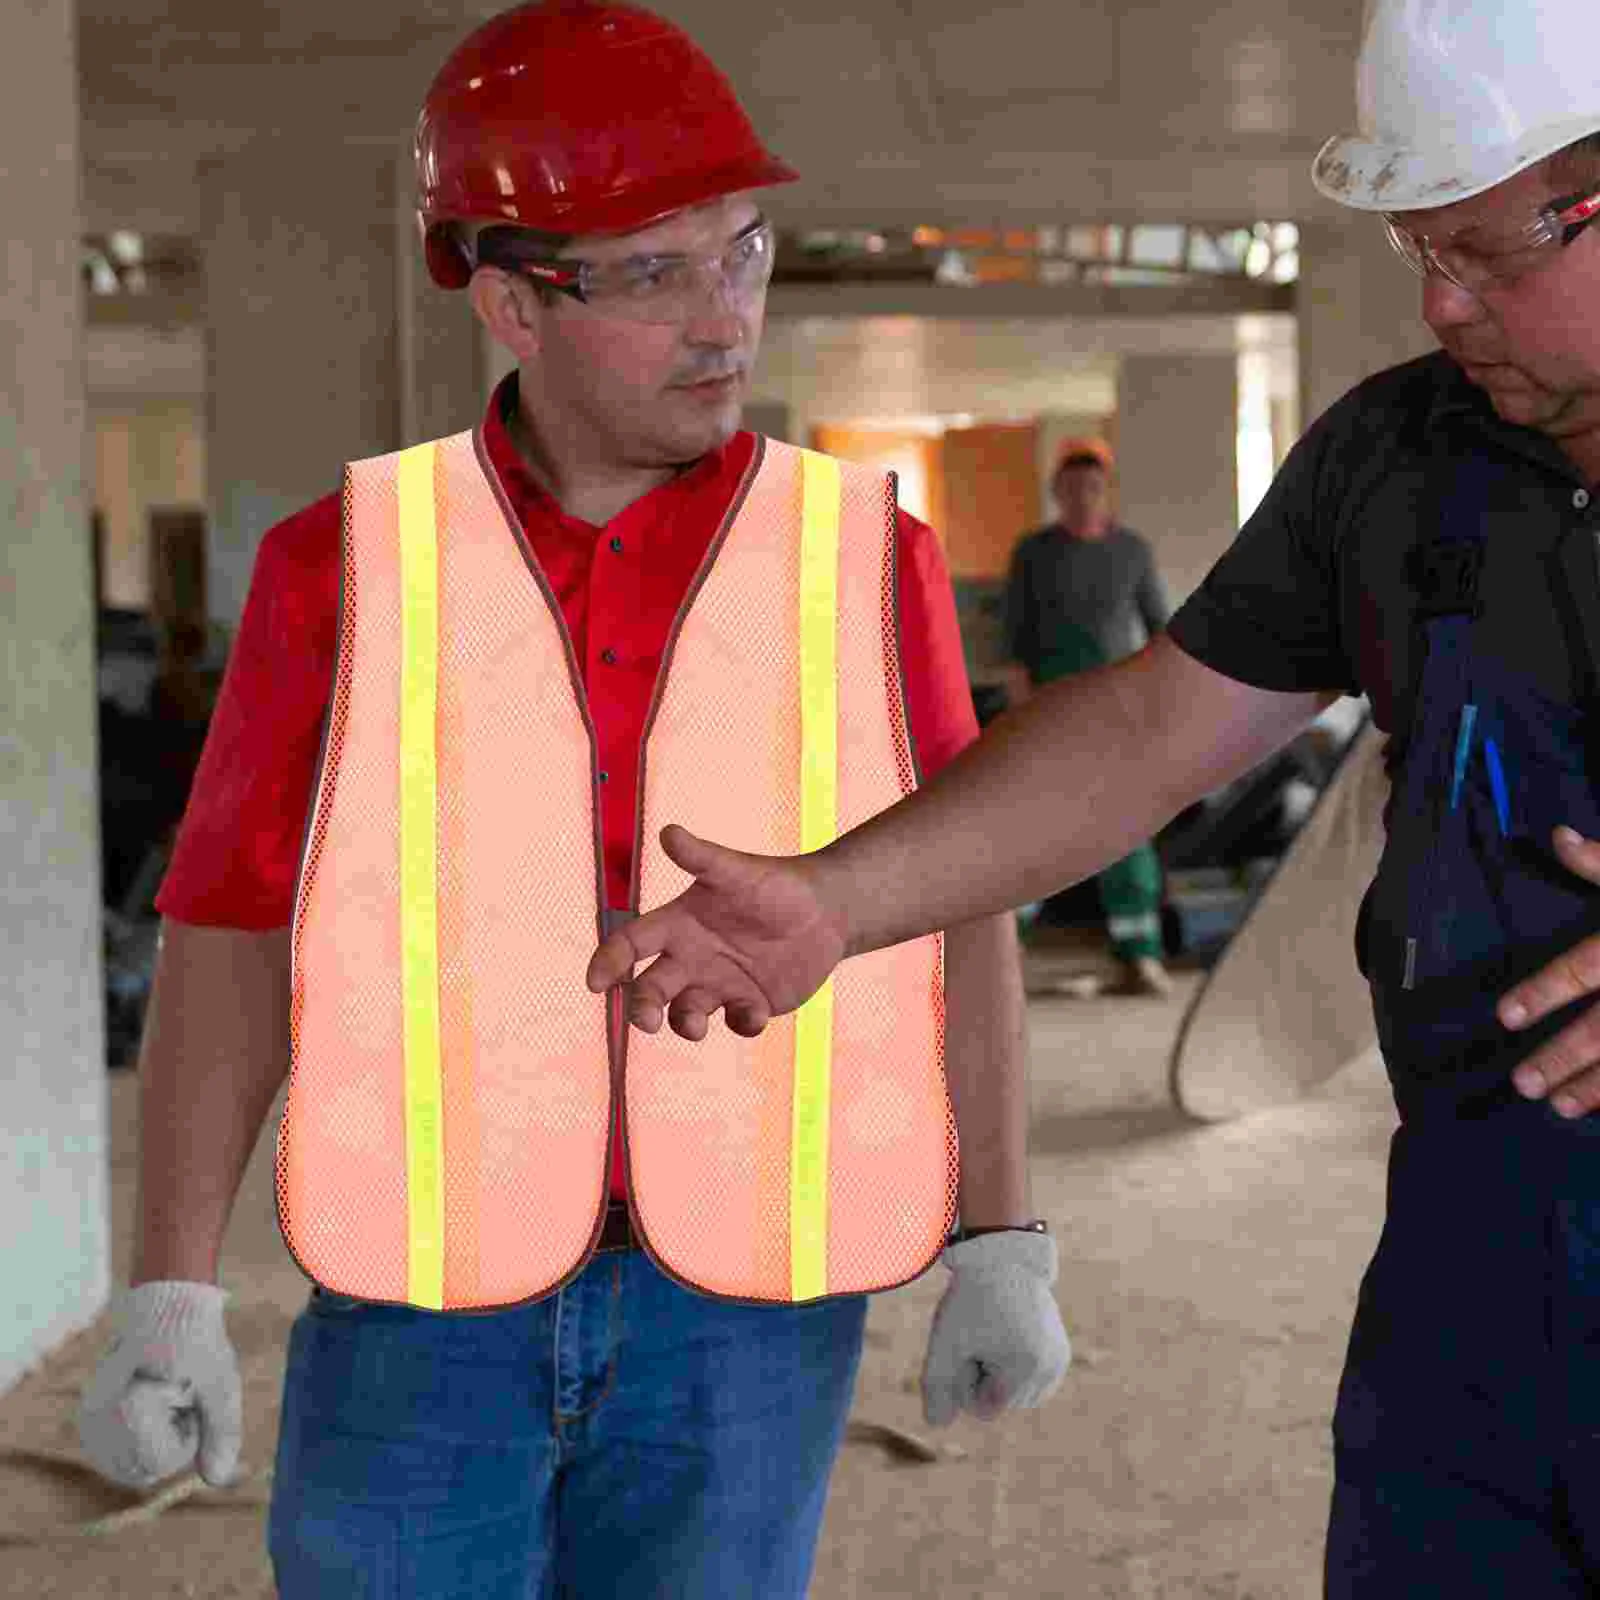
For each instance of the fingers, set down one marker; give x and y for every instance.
(1566, 1064)
(948, 1377)
(221, 1431)
(748, 1019)
(973, 1387)
(1569, 976)
(158, 1422)
(990, 1397)
(941, 1397)
(613, 962)
(1573, 974)
(695, 856)
(654, 990)
(1578, 854)
(663, 993)
(690, 1014)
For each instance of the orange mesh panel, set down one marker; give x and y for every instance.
(341, 1185)
(710, 1124)
(894, 1171)
(523, 1047)
(527, 1071)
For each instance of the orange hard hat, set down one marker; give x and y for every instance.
(577, 117)
(1083, 452)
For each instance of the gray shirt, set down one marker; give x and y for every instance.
(1062, 589)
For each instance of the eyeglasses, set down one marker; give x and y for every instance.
(658, 289)
(1478, 268)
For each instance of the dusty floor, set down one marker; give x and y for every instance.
(1208, 1277)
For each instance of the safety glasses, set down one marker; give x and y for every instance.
(656, 289)
(1484, 265)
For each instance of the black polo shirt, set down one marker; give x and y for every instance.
(1313, 594)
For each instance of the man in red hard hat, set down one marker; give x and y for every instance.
(589, 176)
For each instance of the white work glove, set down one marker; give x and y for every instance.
(167, 1393)
(997, 1341)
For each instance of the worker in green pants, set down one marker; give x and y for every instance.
(1082, 592)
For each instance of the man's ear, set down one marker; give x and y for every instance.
(509, 309)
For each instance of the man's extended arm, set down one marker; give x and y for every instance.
(1090, 768)
(1094, 765)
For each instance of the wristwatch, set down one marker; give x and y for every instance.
(960, 1235)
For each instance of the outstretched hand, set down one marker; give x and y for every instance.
(751, 937)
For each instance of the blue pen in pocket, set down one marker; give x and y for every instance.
(1497, 785)
(1469, 716)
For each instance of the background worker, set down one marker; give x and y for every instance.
(1083, 592)
(623, 1436)
(1431, 543)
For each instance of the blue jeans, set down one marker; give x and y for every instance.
(623, 1438)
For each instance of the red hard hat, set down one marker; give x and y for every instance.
(576, 117)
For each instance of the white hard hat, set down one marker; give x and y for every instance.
(1455, 96)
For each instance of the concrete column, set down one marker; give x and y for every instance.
(304, 369)
(1360, 308)
(54, 1253)
(441, 346)
(1177, 427)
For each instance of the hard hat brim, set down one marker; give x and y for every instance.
(627, 212)
(1375, 175)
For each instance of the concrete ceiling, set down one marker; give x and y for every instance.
(897, 111)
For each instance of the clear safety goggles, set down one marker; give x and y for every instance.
(1487, 265)
(660, 289)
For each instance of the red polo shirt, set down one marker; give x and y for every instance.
(619, 587)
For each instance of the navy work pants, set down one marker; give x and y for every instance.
(1467, 1430)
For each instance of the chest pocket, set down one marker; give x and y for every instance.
(1470, 895)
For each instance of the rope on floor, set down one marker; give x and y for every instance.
(901, 1444)
(139, 1514)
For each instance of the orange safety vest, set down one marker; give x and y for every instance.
(445, 1139)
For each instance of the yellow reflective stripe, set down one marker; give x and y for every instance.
(419, 883)
(819, 826)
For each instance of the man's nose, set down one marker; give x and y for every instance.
(716, 322)
(1445, 304)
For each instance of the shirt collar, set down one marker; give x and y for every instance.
(531, 498)
(1454, 393)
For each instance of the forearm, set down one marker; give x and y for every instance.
(986, 1069)
(214, 1054)
(1054, 790)
(1091, 767)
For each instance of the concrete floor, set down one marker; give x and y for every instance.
(1208, 1277)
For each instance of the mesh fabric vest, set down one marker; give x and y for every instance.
(453, 1084)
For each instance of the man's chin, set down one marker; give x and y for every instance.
(1508, 391)
(684, 444)
(1520, 403)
